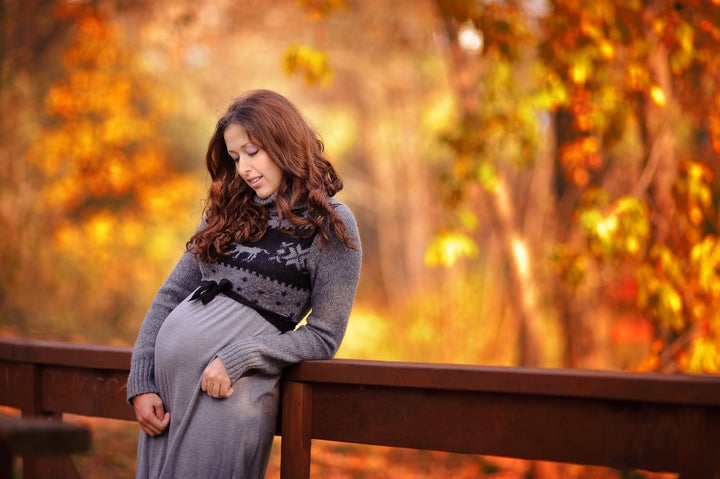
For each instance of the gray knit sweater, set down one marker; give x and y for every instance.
(283, 278)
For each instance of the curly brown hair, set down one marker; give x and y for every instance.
(231, 213)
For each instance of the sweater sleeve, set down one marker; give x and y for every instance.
(334, 286)
(183, 279)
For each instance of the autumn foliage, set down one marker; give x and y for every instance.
(108, 196)
(537, 183)
(578, 141)
(632, 111)
(635, 75)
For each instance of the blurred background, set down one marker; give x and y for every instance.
(535, 181)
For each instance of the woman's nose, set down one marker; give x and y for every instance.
(242, 165)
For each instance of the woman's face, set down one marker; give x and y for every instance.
(252, 163)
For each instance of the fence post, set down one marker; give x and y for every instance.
(35, 467)
(296, 432)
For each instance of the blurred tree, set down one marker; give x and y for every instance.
(496, 136)
(621, 79)
(391, 187)
(30, 37)
(561, 131)
(611, 73)
(109, 200)
(634, 72)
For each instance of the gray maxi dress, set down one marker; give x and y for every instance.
(209, 438)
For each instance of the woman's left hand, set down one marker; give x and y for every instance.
(216, 381)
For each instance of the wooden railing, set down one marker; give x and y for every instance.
(47, 379)
(653, 422)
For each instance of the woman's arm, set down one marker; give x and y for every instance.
(182, 281)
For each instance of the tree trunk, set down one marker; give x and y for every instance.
(466, 74)
(521, 274)
(658, 122)
(576, 305)
(658, 117)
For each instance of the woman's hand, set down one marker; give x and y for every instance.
(150, 413)
(216, 381)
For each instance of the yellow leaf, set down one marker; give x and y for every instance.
(632, 245)
(313, 65)
(579, 72)
(446, 249)
(607, 227)
(607, 50)
(100, 228)
(487, 176)
(674, 302)
(696, 216)
(658, 95)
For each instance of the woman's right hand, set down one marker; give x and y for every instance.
(150, 413)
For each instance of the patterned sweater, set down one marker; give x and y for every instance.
(283, 278)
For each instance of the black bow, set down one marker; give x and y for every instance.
(209, 289)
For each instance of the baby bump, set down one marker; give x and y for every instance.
(188, 334)
(194, 332)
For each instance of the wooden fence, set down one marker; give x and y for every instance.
(622, 420)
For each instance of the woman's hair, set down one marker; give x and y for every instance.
(231, 212)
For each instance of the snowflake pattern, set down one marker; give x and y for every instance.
(292, 254)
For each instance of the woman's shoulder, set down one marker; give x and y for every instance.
(342, 210)
(345, 214)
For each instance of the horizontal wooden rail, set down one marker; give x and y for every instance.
(654, 422)
(43, 378)
(46, 379)
(620, 420)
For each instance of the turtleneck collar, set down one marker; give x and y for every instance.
(265, 201)
(270, 201)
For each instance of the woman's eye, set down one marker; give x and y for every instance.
(252, 152)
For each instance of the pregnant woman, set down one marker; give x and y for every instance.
(274, 247)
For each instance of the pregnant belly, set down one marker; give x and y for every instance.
(194, 331)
